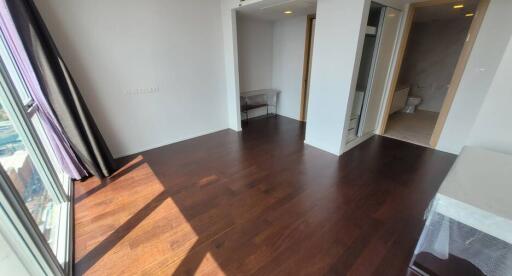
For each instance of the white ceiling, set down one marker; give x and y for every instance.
(444, 12)
(274, 10)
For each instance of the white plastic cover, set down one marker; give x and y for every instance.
(444, 236)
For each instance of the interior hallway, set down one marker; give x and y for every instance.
(258, 202)
(415, 128)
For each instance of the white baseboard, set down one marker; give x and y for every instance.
(322, 148)
(170, 142)
(357, 141)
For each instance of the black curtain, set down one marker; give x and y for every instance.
(60, 89)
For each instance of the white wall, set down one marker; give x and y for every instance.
(160, 45)
(229, 35)
(352, 9)
(339, 26)
(255, 53)
(289, 43)
(432, 53)
(255, 56)
(487, 53)
(271, 55)
(120, 52)
(493, 129)
(336, 47)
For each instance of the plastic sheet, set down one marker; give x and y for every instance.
(443, 236)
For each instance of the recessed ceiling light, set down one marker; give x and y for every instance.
(459, 6)
(470, 14)
(288, 12)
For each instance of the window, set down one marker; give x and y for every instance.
(32, 182)
(19, 166)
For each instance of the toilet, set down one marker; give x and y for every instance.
(411, 104)
(404, 102)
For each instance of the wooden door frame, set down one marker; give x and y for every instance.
(306, 66)
(457, 74)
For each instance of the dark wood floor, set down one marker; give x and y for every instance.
(258, 202)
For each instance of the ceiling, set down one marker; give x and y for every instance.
(274, 10)
(444, 12)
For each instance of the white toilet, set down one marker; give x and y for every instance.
(411, 104)
(404, 102)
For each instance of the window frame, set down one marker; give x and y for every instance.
(16, 220)
(21, 115)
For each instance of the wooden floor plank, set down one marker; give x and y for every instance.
(258, 202)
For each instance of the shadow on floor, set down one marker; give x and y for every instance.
(258, 202)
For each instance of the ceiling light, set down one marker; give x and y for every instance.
(470, 14)
(459, 6)
(288, 12)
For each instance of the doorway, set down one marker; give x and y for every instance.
(434, 50)
(273, 58)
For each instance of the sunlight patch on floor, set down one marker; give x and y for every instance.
(209, 267)
(137, 220)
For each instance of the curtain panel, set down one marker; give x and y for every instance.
(74, 132)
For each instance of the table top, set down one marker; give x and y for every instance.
(481, 178)
(259, 92)
(478, 192)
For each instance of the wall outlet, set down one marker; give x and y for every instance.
(142, 91)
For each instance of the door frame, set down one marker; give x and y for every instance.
(306, 66)
(457, 74)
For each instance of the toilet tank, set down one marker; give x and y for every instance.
(399, 100)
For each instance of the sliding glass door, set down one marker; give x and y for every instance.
(34, 187)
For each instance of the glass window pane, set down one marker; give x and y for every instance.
(43, 137)
(11, 262)
(17, 163)
(14, 72)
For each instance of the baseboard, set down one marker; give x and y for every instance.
(172, 142)
(322, 148)
(235, 129)
(448, 150)
(357, 142)
(292, 118)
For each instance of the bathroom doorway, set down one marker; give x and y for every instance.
(436, 44)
